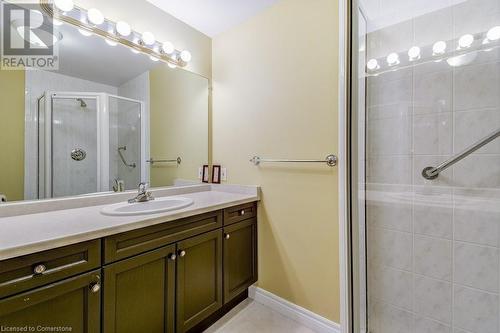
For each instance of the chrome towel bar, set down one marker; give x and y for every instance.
(152, 161)
(330, 160)
(433, 172)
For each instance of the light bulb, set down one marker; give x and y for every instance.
(372, 64)
(168, 48)
(95, 16)
(465, 41)
(110, 42)
(85, 32)
(494, 33)
(393, 59)
(186, 56)
(148, 38)
(123, 28)
(414, 53)
(64, 5)
(439, 48)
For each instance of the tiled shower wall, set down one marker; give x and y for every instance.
(433, 247)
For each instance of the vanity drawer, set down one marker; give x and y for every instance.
(35, 270)
(131, 243)
(240, 213)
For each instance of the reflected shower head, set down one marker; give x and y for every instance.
(82, 102)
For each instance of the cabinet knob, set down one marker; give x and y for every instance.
(39, 269)
(95, 287)
(172, 256)
(182, 253)
(242, 212)
(227, 236)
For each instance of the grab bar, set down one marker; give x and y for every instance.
(330, 160)
(152, 161)
(433, 172)
(133, 165)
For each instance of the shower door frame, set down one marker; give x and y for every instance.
(352, 318)
(102, 126)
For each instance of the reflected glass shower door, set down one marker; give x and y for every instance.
(127, 155)
(74, 146)
(428, 87)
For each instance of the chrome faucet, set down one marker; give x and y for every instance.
(143, 194)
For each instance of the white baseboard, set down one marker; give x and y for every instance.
(303, 316)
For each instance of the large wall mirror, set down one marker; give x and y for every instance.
(108, 117)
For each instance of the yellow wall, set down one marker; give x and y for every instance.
(12, 130)
(143, 16)
(275, 94)
(179, 124)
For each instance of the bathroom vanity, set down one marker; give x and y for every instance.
(163, 274)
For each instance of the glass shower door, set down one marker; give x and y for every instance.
(429, 88)
(74, 160)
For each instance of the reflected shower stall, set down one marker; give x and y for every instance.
(88, 142)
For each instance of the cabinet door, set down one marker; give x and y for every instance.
(139, 293)
(199, 279)
(72, 304)
(240, 258)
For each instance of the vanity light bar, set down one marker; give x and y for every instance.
(464, 44)
(92, 21)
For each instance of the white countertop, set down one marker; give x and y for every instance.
(25, 234)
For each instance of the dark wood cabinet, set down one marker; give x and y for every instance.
(199, 279)
(240, 258)
(72, 303)
(131, 243)
(39, 269)
(139, 293)
(240, 213)
(175, 277)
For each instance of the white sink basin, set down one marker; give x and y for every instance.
(158, 205)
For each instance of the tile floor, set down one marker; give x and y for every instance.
(252, 317)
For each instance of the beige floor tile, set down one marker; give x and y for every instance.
(252, 317)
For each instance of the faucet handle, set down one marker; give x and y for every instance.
(143, 187)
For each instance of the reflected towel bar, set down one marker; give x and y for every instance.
(433, 172)
(330, 160)
(152, 161)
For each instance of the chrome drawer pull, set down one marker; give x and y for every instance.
(95, 287)
(39, 269)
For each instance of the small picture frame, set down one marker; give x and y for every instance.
(216, 174)
(205, 176)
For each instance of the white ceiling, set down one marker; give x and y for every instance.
(90, 58)
(212, 16)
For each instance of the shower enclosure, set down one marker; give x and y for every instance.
(87, 142)
(425, 161)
